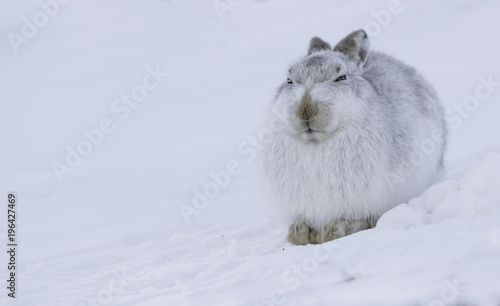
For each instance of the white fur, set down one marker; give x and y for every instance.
(355, 164)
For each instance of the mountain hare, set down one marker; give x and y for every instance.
(352, 134)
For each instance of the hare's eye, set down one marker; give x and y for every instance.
(340, 78)
(288, 81)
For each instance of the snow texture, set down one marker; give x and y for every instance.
(162, 101)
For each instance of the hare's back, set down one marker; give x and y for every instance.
(400, 86)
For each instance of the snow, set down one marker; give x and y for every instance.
(111, 231)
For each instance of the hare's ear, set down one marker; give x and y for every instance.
(356, 46)
(316, 45)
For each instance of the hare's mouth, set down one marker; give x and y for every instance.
(312, 135)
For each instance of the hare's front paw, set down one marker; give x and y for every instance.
(299, 233)
(340, 228)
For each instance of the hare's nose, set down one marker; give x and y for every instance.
(307, 109)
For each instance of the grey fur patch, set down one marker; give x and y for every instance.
(302, 234)
(298, 234)
(315, 60)
(306, 109)
(317, 45)
(340, 228)
(355, 46)
(362, 54)
(316, 66)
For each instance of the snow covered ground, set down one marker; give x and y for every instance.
(139, 105)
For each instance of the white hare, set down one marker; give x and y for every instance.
(353, 134)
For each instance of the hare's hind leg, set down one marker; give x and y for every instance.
(301, 234)
(340, 228)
